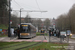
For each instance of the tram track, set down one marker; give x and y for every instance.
(13, 45)
(28, 46)
(1, 48)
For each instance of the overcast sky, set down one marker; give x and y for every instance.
(54, 7)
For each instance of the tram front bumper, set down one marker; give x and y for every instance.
(25, 35)
(22, 36)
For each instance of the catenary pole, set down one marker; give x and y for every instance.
(20, 16)
(9, 34)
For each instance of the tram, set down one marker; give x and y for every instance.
(27, 30)
(42, 31)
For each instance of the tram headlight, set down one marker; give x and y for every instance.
(65, 34)
(20, 33)
(28, 34)
(70, 34)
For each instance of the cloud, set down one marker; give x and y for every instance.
(54, 7)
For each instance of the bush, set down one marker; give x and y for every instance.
(3, 26)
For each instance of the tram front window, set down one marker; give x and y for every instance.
(24, 29)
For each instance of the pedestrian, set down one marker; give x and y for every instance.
(50, 32)
(59, 34)
(57, 31)
(16, 32)
(54, 32)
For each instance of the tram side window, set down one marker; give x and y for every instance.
(29, 28)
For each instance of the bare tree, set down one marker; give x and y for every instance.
(67, 21)
(47, 23)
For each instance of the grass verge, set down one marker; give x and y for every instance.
(2, 26)
(41, 46)
(3, 35)
(48, 46)
(38, 34)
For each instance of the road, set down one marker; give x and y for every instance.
(38, 39)
(73, 36)
(35, 39)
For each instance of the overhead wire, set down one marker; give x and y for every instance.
(38, 7)
(28, 6)
(17, 3)
(23, 5)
